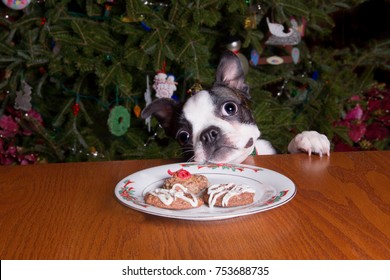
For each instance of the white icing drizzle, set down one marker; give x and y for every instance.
(177, 191)
(226, 190)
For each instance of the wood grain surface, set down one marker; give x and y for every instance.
(69, 211)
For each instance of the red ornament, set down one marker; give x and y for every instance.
(42, 70)
(76, 109)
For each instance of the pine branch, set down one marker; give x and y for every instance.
(41, 131)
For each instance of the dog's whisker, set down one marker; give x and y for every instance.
(188, 152)
(191, 159)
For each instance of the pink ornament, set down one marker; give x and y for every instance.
(16, 4)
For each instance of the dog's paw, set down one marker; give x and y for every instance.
(310, 142)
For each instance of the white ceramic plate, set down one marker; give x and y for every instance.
(272, 189)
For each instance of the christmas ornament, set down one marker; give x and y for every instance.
(195, 88)
(235, 46)
(148, 100)
(16, 4)
(137, 110)
(108, 7)
(76, 106)
(164, 85)
(93, 151)
(253, 16)
(76, 109)
(293, 56)
(275, 60)
(250, 23)
(254, 58)
(43, 21)
(118, 120)
(280, 38)
(301, 28)
(284, 40)
(42, 70)
(295, 53)
(23, 98)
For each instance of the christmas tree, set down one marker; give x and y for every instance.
(76, 74)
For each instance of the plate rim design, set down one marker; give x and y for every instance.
(126, 192)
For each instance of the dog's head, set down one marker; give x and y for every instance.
(214, 125)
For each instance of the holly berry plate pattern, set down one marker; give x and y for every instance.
(272, 189)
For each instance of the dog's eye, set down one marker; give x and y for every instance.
(229, 109)
(183, 137)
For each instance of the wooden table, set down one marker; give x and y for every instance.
(69, 211)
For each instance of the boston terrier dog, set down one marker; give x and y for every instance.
(217, 125)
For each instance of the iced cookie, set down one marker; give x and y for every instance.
(177, 197)
(228, 195)
(195, 183)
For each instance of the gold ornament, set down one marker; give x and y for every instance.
(196, 87)
(250, 22)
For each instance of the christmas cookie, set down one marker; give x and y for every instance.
(176, 198)
(195, 183)
(228, 195)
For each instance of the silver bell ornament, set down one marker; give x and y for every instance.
(235, 47)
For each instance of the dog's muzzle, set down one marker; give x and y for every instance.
(210, 136)
(216, 147)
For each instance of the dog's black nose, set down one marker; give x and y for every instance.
(210, 135)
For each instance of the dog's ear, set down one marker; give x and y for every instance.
(165, 111)
(231, 73)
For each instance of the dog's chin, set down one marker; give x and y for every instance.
(224, 154)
